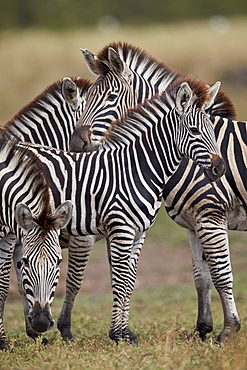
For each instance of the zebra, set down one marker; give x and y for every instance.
(26, 214)
(49, 119)
(116, 190)
(206, 210)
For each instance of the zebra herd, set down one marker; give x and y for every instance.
(132, 127)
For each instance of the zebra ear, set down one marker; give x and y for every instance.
(23, 216)
(90, 60)
(118, 65)
(62, 215)
(212, 91)
(70, 93)
(184, 97)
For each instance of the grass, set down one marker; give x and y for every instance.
(162, 317)
(164, 304)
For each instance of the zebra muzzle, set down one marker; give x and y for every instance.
(80, 140)
(217, 169)
(40, 318)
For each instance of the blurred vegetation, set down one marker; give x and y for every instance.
(58, 14)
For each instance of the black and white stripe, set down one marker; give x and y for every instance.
(26, 215)
(117, 189)
(127, 76)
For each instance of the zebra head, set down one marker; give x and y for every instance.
(112, 94)
(41, 257)
(121, 84)
(195, 135)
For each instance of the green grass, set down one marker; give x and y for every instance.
(162, 317)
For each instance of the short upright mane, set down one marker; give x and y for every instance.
(138, 60)
(32, 167)
(52, 91)
(134, 116)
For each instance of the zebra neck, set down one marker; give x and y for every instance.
(48, 120)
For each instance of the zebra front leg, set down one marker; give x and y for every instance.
(7, 244)
(214, 240)
(121, 241)
(78, 254)
(203, 284)
(127, 334)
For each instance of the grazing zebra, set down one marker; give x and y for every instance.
(50, 120)
(27, 213)
(117, 189)
(205, 209)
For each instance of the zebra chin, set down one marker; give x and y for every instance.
(216, 170)
(40, 318)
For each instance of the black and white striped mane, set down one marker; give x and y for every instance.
(147, 66)
(137, 60)
(19, 156)
(134, 116)
(45, 98)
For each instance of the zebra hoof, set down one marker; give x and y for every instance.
(129, 337)
(45, 341)
(115, 335)
(4, 345)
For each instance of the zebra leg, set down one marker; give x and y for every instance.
(213, 237)
(121, 242)
(7, 244)
(79, 251)
(127, 334)
(203, 284)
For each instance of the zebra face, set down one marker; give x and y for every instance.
(195, 135)
(40, 264)
(40, 268)
(106, 101)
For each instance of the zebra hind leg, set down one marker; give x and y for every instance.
(216, 250)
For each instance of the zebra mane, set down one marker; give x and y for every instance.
(20, 155)
(223, 106)
(46, 97)
(144, 64)
(134, 116)
(137, 59)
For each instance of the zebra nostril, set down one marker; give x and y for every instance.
(51, 325)
(29, 319)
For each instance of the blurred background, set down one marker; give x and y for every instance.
(40, 43)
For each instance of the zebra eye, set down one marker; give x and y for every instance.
(59, 261)
(195, 131)
(112, 97)
(25, 262)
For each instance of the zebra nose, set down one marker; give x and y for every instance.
(40, 318)
(217, 169)
(80, 140)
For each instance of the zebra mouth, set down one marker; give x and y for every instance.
(40, 318)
